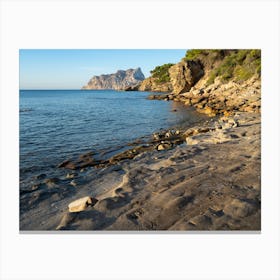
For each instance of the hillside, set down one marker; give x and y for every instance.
(118, 81)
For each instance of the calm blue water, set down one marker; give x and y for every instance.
(55, 125)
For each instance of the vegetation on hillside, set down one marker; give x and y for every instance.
(239, 65)
(161, 74)
(227, 64)
(197, 53)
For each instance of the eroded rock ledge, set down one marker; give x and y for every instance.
(219, 98)
(211, 183)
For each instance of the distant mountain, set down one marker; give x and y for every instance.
(118, 81)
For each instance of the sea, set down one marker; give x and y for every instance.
(58, 124)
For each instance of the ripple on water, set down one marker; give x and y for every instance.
(60, 124)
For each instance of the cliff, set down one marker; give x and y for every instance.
(203, 67)
(118, 81)
(213, 81)
(151, 84)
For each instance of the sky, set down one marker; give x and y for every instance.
(71, 69)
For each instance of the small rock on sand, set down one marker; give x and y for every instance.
(163, 146)
(81, 204)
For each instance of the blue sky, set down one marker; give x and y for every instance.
(71, 69)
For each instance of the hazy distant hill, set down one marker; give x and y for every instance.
(118, 81)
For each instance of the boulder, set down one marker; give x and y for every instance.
(81, 204)
(184, 75)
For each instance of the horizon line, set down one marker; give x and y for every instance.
(67, 89)
(50, 89)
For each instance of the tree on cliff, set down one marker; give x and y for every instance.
(161, 73)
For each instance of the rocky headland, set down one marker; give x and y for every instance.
(204, 177)
(213, 81)
(120, 80)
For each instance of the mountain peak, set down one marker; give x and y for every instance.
(118, 81)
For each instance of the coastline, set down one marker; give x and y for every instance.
(204, 178)
(43, 201)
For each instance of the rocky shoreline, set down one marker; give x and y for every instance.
(219, 98)
(211, 181)
(205, 177)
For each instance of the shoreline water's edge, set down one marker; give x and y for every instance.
(113, 197)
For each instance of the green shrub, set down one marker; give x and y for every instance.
(242, 73)
(255, 54)
(239, 65)
(241, 55)
(193, 54)
(161, 73)
(197, 53)
(211, 78)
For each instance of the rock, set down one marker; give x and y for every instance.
(73, 183)
(51, 181)
(248, 109)
(199, 106)
(67, 164)
(227, 122)
(156, 136)
(201, 220)
(41, 176)
(66, 219)
(208, 111)
(164, 146)
(227, 113)
(196, 130)
(118, 81)
(132, 87)
(168, 134)
(71, 175)
(82, 161)
(29, 189)
(158, 97)
(191, 141)
(184, 75)
(81, 204)
(151, 84)
(239, 208)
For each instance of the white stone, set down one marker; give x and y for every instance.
(81, 204)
